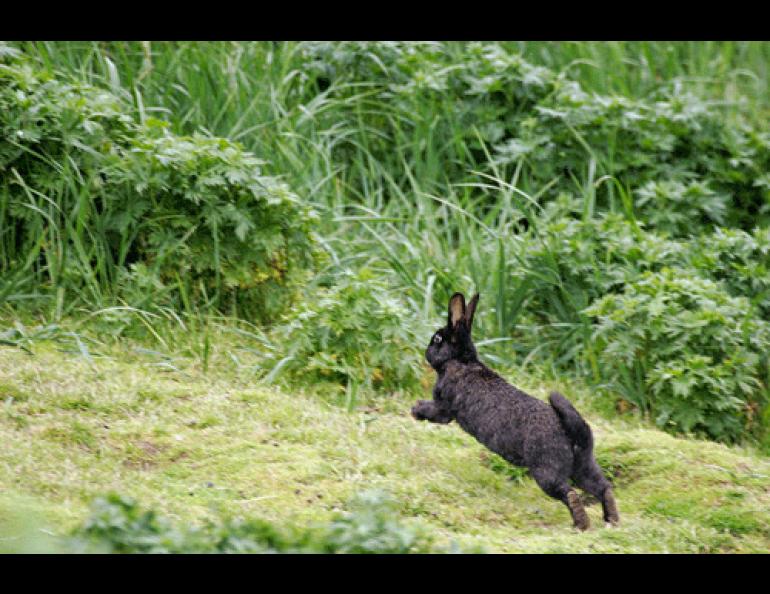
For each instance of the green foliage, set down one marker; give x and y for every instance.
(676, 208)
(358, 332)
(546, 128)
(214, 220)
(373, 527)
(677, 329)
(682, 347)
(96, 202)
(738, 259)
(547, 176)
(117, 524)
(567, 264)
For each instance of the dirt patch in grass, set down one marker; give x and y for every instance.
(143, 454)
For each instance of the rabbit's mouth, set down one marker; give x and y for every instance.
(435, 360)
(429, 358)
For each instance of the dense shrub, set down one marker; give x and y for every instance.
(677, 208)
(677, 328)
(682, 348)
(591, 257)
(463, 96)
(358, 332)
(126, 206)
(201, 211)
(567, 264)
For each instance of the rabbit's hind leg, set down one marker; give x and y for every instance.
(557, 487)
(593, 481)
(610, 507)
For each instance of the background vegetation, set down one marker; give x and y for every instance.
(299, 213)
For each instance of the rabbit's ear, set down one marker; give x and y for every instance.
(471, 309)
(456, 309)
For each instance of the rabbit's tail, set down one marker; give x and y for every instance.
(575, 426)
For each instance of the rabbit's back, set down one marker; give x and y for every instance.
(513, 424)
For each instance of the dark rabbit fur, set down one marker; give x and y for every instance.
(552, 441)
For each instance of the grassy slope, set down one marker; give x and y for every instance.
(194, 444)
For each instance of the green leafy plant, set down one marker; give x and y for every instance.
(358, 332)
(739, 260)
(203, 216)
(117, 524)
(373, 527)
(676, 208)
(683, 349)
(99, 204)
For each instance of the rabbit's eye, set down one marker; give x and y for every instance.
(437, 339)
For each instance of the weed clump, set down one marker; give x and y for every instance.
(117, 524)
(357, 332)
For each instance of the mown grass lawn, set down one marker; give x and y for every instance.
(195, 445)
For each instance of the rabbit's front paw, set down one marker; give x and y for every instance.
(419, 410)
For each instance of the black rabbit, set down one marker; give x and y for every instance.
(553, 442)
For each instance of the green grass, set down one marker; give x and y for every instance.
(195, 444)
(216, 85)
